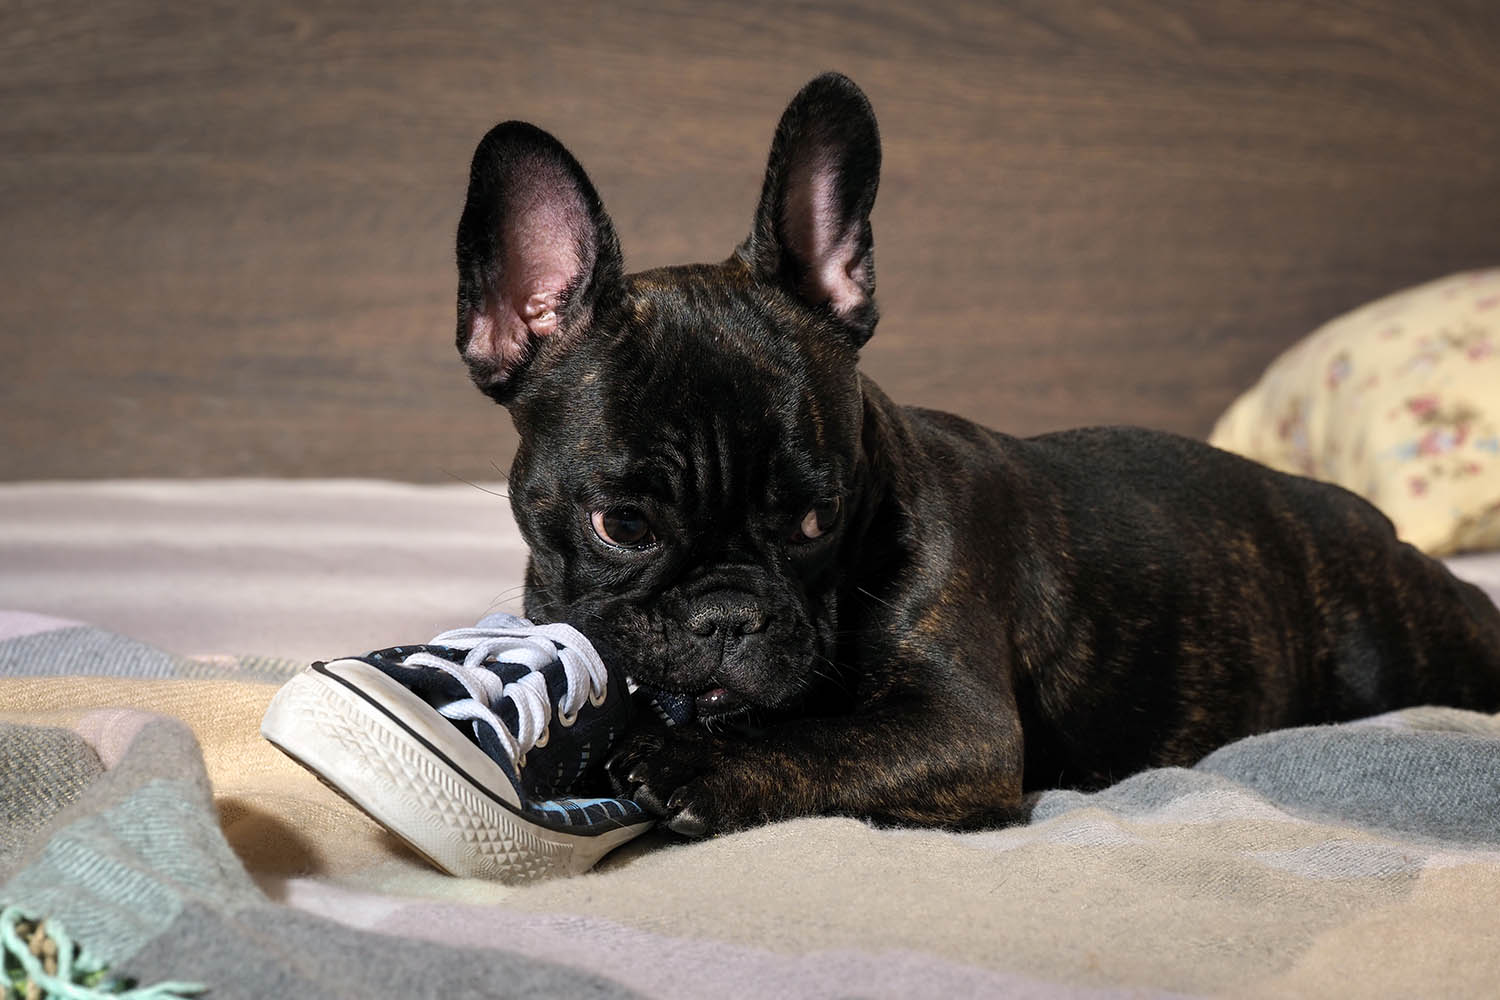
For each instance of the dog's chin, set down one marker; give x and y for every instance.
(720, 705)
(715, 700)
(718, 698)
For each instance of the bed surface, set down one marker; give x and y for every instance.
(297, 569)
(1359, 858)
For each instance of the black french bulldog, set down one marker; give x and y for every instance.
(911, 618)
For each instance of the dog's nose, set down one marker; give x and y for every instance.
(727, 614)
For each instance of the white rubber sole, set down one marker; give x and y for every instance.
(392, 755)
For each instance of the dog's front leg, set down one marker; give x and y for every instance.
(916, 762)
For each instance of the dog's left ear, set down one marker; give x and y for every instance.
(812, 227)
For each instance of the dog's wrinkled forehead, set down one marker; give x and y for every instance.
(699, 384)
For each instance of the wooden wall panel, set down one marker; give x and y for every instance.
(226, 229)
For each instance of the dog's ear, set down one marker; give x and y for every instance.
(536, 252)
(812, 227)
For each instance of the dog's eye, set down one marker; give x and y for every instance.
(623, 527)
(818, 521)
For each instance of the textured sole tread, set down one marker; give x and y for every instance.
(384, 771)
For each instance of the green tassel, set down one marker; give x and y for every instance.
(41, 962)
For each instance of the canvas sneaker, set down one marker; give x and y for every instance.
(468, 746)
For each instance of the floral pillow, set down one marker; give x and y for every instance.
(1398, 401)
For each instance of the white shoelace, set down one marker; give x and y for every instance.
(517, 641)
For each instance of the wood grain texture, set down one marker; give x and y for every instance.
(227, 229)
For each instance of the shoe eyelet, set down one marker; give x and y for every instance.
(567, 720)
(542, 739)
(603, 697)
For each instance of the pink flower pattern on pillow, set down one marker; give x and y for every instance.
(1398, 401)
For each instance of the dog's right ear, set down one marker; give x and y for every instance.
(535, 253)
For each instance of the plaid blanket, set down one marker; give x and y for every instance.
(140, 810)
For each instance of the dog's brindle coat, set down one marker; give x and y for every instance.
(908, 617)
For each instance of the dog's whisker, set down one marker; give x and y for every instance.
(836, 677)
(470, 482)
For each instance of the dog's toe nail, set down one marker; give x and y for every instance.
(687, 823)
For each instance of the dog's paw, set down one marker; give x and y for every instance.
(684, 777)
(652, 764)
